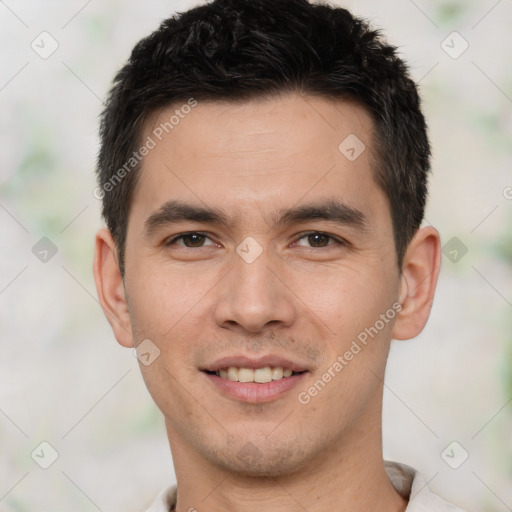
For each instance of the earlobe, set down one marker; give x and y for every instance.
(420, 271)
(110, 287)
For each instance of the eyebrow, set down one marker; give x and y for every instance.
(332, 210)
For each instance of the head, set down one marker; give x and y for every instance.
(263, 172)
(236, 51)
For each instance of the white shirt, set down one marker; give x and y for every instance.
(406, 480)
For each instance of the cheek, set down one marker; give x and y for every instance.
(348, 300)
(164, 301)
(165, 310)
(161, 313)
(169, 392)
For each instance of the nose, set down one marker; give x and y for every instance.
(254, 296)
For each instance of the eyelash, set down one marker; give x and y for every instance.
(337, 241)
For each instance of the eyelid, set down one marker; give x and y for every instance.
(171, 239)
(338, 240)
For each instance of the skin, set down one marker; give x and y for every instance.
(303, 298)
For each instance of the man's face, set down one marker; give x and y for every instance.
(262, 288)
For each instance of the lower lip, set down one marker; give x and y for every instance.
(252, 392)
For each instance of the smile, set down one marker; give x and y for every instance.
(254, 379)
(259, 375)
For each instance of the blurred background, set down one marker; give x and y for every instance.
(66, 383)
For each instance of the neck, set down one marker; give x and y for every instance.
(349, 476)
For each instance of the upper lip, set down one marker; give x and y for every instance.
(254, 362)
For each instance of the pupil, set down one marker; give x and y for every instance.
(316, 238)
(196, 239)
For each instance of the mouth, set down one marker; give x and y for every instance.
(254, 381)
(259, 375)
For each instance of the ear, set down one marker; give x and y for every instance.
(110, 287)
(420, 270)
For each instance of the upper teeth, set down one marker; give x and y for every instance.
(262, 375)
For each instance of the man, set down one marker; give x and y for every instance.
(263, 171)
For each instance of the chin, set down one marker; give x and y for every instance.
(253, 461)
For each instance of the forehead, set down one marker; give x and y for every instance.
(304, 122)
(263, 152)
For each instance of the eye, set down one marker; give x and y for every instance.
(318, 239)
(189, 240)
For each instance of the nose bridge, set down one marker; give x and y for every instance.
(253, 296)
(255, 276)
